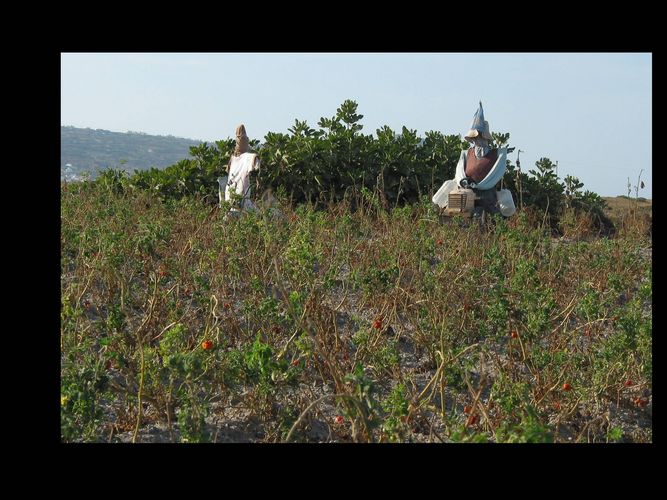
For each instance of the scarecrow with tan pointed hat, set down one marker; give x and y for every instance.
(237, 185)
(478, 171)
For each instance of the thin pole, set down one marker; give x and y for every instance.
(518, 176)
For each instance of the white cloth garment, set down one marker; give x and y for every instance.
(496, 173)
(239, 178)
(492, 178)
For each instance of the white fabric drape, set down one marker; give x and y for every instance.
(239, 177)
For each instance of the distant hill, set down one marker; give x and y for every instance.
(89, 150)
(620, 203)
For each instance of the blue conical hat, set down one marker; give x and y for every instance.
(479, 126)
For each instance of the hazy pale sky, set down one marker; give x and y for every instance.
(591, 112)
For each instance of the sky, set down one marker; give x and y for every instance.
(590, 112)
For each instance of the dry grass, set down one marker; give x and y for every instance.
(346, 326)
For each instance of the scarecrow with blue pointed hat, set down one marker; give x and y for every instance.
(478, 171)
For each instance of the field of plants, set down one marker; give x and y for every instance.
(351, 312)
(336, 325)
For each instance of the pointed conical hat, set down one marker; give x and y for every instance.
(479, 126)
(240, 131)
(242, 142)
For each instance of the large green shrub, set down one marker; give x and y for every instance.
(337, 160)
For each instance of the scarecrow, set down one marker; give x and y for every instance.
(236, 185)
(472, 191)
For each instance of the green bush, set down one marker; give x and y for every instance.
(338, 161)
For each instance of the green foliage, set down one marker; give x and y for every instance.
(614, 434)
(337, 160)
(529, 430)
(395, 407)
(365, 410)
(174, 340)
(551, 198)
(262, 366)
(529, 330)
(83, 384)
(191, 415)
(544, 192)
